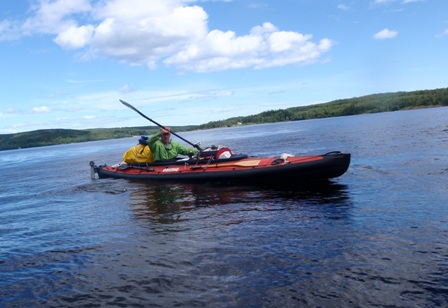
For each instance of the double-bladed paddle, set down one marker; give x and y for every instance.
(161, 126)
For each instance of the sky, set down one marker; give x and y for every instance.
(66, 63)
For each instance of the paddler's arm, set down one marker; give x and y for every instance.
(156, 136)
(184, 150)
(157, 148)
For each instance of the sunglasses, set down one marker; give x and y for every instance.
(166, 134)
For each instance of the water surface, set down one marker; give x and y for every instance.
(377, 235)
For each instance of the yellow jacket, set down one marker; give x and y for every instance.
(141, 153)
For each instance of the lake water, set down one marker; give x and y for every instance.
(376, 236)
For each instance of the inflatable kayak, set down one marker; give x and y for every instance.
(236, 168)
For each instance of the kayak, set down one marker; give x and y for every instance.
(236, 168)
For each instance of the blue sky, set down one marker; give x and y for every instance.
(66, 63)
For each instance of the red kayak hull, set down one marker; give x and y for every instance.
(247, 170)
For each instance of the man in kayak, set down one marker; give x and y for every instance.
(141, 153)
(162, 147)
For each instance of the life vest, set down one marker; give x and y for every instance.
(141, 153)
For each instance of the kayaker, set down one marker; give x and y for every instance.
(141, 153)
(162, 147)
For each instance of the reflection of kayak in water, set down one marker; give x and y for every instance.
(236, 168)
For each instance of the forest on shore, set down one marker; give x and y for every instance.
(374, 103)
(44, 137)
(351, 106)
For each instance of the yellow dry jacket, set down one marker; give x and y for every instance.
(141, 153)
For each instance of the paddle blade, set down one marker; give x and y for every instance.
(247, 163)
(128, 105)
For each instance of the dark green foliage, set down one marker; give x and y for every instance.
(351, 106)
(45, 137)
(365, 104)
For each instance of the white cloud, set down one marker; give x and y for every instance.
(9, 30)
(41, 109)
(379, 2)
(10, 110)
(382, 1)
(265, 46)
(54, 17)
(411, 1)
(126, 89)
(142, 34)
(385, 34)
(171, 32)
(75, 37)
(343, 7)
(442, 34)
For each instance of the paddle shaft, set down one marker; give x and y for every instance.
(161, 126)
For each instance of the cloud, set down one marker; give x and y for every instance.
(264, 47)
(143, 32)
(442, 34)
(379, 2)
(171, 32)
(10, 111)
(385, 34)
(382, 1)
(343, 7)
(411, 1)
(54, 17)
(41, 109)
(75, 37)
(126, 89)
(9, 30)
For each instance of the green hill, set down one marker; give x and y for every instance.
(358, 105)
(46, 137)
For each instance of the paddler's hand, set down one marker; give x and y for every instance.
(165, 130)
(197, 145)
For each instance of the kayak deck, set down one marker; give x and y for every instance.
(235, 169)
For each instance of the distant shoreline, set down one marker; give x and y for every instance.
(375, 103)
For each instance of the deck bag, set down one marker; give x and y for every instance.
(216, 152)
(140, 153)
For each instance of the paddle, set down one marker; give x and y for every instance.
(248, 163)
(161, 126)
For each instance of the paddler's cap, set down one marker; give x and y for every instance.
(143, 140)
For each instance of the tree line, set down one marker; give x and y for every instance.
(44, 137)
(358, 105)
